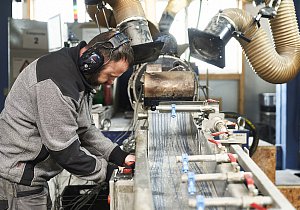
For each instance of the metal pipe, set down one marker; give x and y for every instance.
(182, 108)
(229, 176)
(188, 106)
(231, 201)
(207, 158)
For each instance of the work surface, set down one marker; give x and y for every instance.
(170, 137)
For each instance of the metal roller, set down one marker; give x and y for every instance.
(169, 86)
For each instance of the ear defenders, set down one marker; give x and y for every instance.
(92, 60)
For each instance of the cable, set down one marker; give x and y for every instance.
(252, 127)
(70, 177)
(198, 19)
(203, 91)
(101, 7)
(197, 25)
(80, 201)
(57, 195)
(123, 134)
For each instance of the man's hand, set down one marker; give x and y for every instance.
(129, 164)
(129, 160)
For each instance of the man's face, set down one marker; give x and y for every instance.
(109, 73)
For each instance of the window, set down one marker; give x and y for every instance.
(17, 10)
(43, 10)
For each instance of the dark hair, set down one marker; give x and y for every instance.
(123, 52)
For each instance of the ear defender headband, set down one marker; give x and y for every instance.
(92, 60)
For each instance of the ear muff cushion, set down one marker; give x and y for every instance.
(91, 61)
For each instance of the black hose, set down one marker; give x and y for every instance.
(252, 127)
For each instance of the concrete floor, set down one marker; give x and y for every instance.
(287, 177)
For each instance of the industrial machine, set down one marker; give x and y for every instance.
(188, 154)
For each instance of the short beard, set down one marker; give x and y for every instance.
(92, 79)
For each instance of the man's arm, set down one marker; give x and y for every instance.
(95, 142)
(58, 125)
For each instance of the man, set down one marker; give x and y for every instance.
(46, 125)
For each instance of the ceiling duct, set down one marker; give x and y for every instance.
(275, 61)
(209, 45)
(169, 13)
(128, 17)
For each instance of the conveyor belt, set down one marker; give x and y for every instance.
(168, 138)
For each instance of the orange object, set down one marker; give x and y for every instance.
(107, 94)
(219, 133)
(215, 142)
(108, 199)
(256, 206)
(232, 158)
(127, 171)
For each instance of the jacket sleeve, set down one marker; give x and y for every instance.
(93, 140)
(58, 125)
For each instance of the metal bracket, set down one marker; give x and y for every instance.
(191, 183)
(185, 163)
(200, 202)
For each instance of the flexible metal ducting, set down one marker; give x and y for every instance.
(98, 16)
(274, 64)
(126, 15)
(172, 8)
(94, 12)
